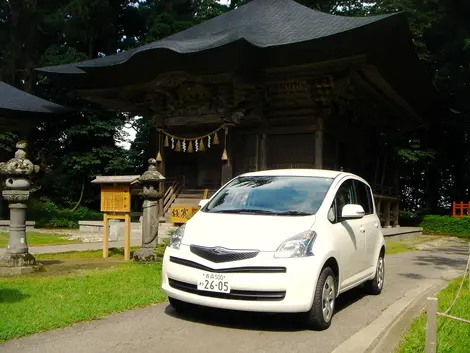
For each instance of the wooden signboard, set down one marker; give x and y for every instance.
(115, 198)
(181, 214)
(116, 204)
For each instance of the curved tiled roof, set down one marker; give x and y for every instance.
(261, 23)
(16, 102)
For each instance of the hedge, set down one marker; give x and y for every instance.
(47, 214)
(446, 225)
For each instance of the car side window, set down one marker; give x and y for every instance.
(345, 195)
(364, 197)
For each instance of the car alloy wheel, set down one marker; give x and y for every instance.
(321, 313)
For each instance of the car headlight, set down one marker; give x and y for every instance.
(299, 245)
(177, 237)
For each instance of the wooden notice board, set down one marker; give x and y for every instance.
(115, 198)
(181, 214)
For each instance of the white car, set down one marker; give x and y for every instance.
(278, 241)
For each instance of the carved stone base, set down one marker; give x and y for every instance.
(17, 260)
(17, 271)
(145, 255)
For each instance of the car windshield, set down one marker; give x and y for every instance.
(271, 195)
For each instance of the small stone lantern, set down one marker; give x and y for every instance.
(17, 172)
(150, 181)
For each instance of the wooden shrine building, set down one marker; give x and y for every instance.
(271, 84)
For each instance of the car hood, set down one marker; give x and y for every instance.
(236, 231)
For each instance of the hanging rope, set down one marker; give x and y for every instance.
(197, 137)
(196, 143)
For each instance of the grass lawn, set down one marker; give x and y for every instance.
(399, 246)
(91, 288)
(38, 239)
(452, 336)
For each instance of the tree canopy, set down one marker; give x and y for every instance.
(73, 149)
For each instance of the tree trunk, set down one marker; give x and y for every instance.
(81, 197)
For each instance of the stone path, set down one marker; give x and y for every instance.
(159, 329)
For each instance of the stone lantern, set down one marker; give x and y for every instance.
(150, 181)
(17, 172)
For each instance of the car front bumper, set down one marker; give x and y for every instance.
(262, 284)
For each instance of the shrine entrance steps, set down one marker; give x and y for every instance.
(188, 197)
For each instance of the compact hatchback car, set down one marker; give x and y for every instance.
(278, 241)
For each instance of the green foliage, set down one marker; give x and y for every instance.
(39, 239)
(48, 215)
(446, 225)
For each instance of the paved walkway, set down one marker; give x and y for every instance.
(52, 249)
(159, 329)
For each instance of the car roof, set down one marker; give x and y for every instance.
(322, 173)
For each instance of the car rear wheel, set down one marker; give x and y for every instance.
(179, 305)
(320, 315)
(375, 285)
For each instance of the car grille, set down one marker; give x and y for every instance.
(234, 294)
(218, 254)
(245, 269)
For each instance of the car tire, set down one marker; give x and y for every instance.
(178, 305)
(375, 285)
(320, 315)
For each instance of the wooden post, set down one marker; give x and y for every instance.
(379, 210)
(387, 214)
(256, 152)
(397, 214)
(263, 146)
(105, 236)
(127, 237)
(431, 325)
(319, 135)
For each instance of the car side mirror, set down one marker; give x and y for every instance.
(352, 211)
(203, 202)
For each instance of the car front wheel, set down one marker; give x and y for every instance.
(320, 315)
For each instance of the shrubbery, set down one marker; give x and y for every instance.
(47, 214)
(446, 225)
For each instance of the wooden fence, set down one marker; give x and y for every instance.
(432, 313)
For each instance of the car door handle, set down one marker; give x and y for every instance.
(376, 225)
(362, 230)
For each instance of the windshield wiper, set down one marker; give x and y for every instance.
(244, 210)
(293, 213)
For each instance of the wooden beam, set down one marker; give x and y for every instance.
(319, 134)
(279, 130)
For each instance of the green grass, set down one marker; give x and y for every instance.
(452, 336)
(39, 239)
(399, 246)
(396, 247)
(38, 303)
(91, 254)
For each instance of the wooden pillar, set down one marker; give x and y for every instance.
(160, 148)
(227, 169)
(263, 152)
(387, 214)
(319, 135)
(396, 211)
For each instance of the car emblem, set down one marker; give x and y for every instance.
(218, 250)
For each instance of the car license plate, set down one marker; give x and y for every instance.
(213, 282)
